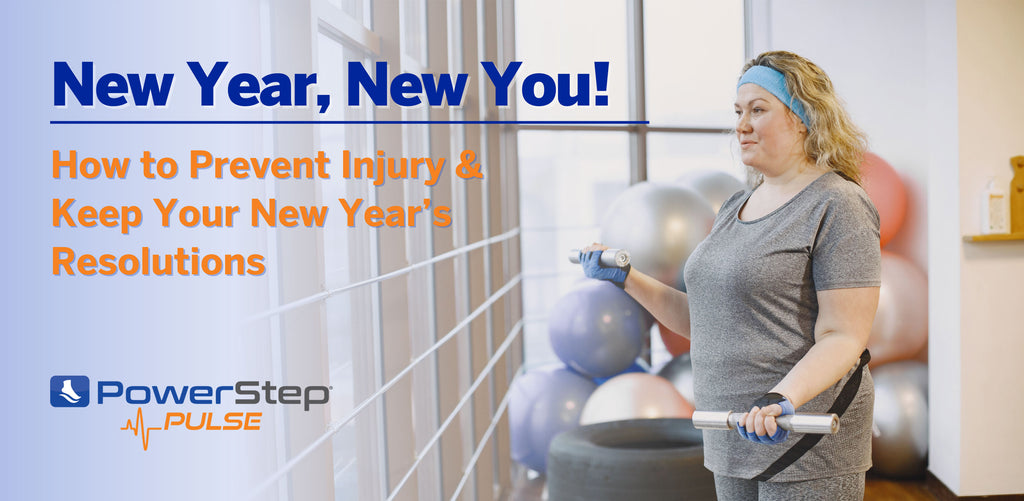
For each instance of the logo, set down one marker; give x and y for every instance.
(246, 392)
(73, 391)
(69, 391)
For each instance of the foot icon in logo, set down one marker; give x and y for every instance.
(69, 391)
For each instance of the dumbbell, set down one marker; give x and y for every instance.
(610, 258)
(824, 424)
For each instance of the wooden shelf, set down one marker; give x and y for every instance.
(994, 238)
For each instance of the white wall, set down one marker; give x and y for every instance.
(944, 247)
(990, 43)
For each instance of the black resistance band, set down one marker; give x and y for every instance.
(800, 448)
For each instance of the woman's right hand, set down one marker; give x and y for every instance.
(590, 259)
(759, 424)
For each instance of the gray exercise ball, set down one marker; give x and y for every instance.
(679, 372)
(899, 446)
(659, 224)
(714, 185)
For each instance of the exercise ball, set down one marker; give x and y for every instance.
(679, 372)
(648, 319)
(900, 328)
(640, 366)
(899, 447)
(597, 329)
(887, 192)
(922, 354)
(714, 185)
(659, 224)
(676, 344)
(544, 402)
(635, 396)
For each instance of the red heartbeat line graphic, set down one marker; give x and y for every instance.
(140, 427)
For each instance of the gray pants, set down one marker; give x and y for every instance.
(842, 488)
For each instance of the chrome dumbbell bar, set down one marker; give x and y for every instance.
(824, 424)
(610, 258)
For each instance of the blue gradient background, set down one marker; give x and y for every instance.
(139, 330)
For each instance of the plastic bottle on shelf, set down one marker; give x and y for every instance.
(995, 210)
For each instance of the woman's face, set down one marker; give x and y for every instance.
(771, 137)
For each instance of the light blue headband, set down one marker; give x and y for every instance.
(773, 81)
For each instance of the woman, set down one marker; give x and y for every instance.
(782, 293)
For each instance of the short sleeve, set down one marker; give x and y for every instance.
(846, 250)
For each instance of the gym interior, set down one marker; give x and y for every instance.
(436, 334)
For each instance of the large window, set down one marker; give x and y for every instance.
(416, 328)
(672, 63)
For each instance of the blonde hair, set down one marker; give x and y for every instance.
(832, 141)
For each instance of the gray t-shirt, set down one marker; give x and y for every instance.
(753, 305)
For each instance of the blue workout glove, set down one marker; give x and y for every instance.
(591, 262)
(780, 434)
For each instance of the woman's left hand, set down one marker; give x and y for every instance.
(758, 425)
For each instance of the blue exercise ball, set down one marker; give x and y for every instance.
(597, 329)
(544, 402)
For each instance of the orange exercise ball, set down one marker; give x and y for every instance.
(676, 344)
(887, 192)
